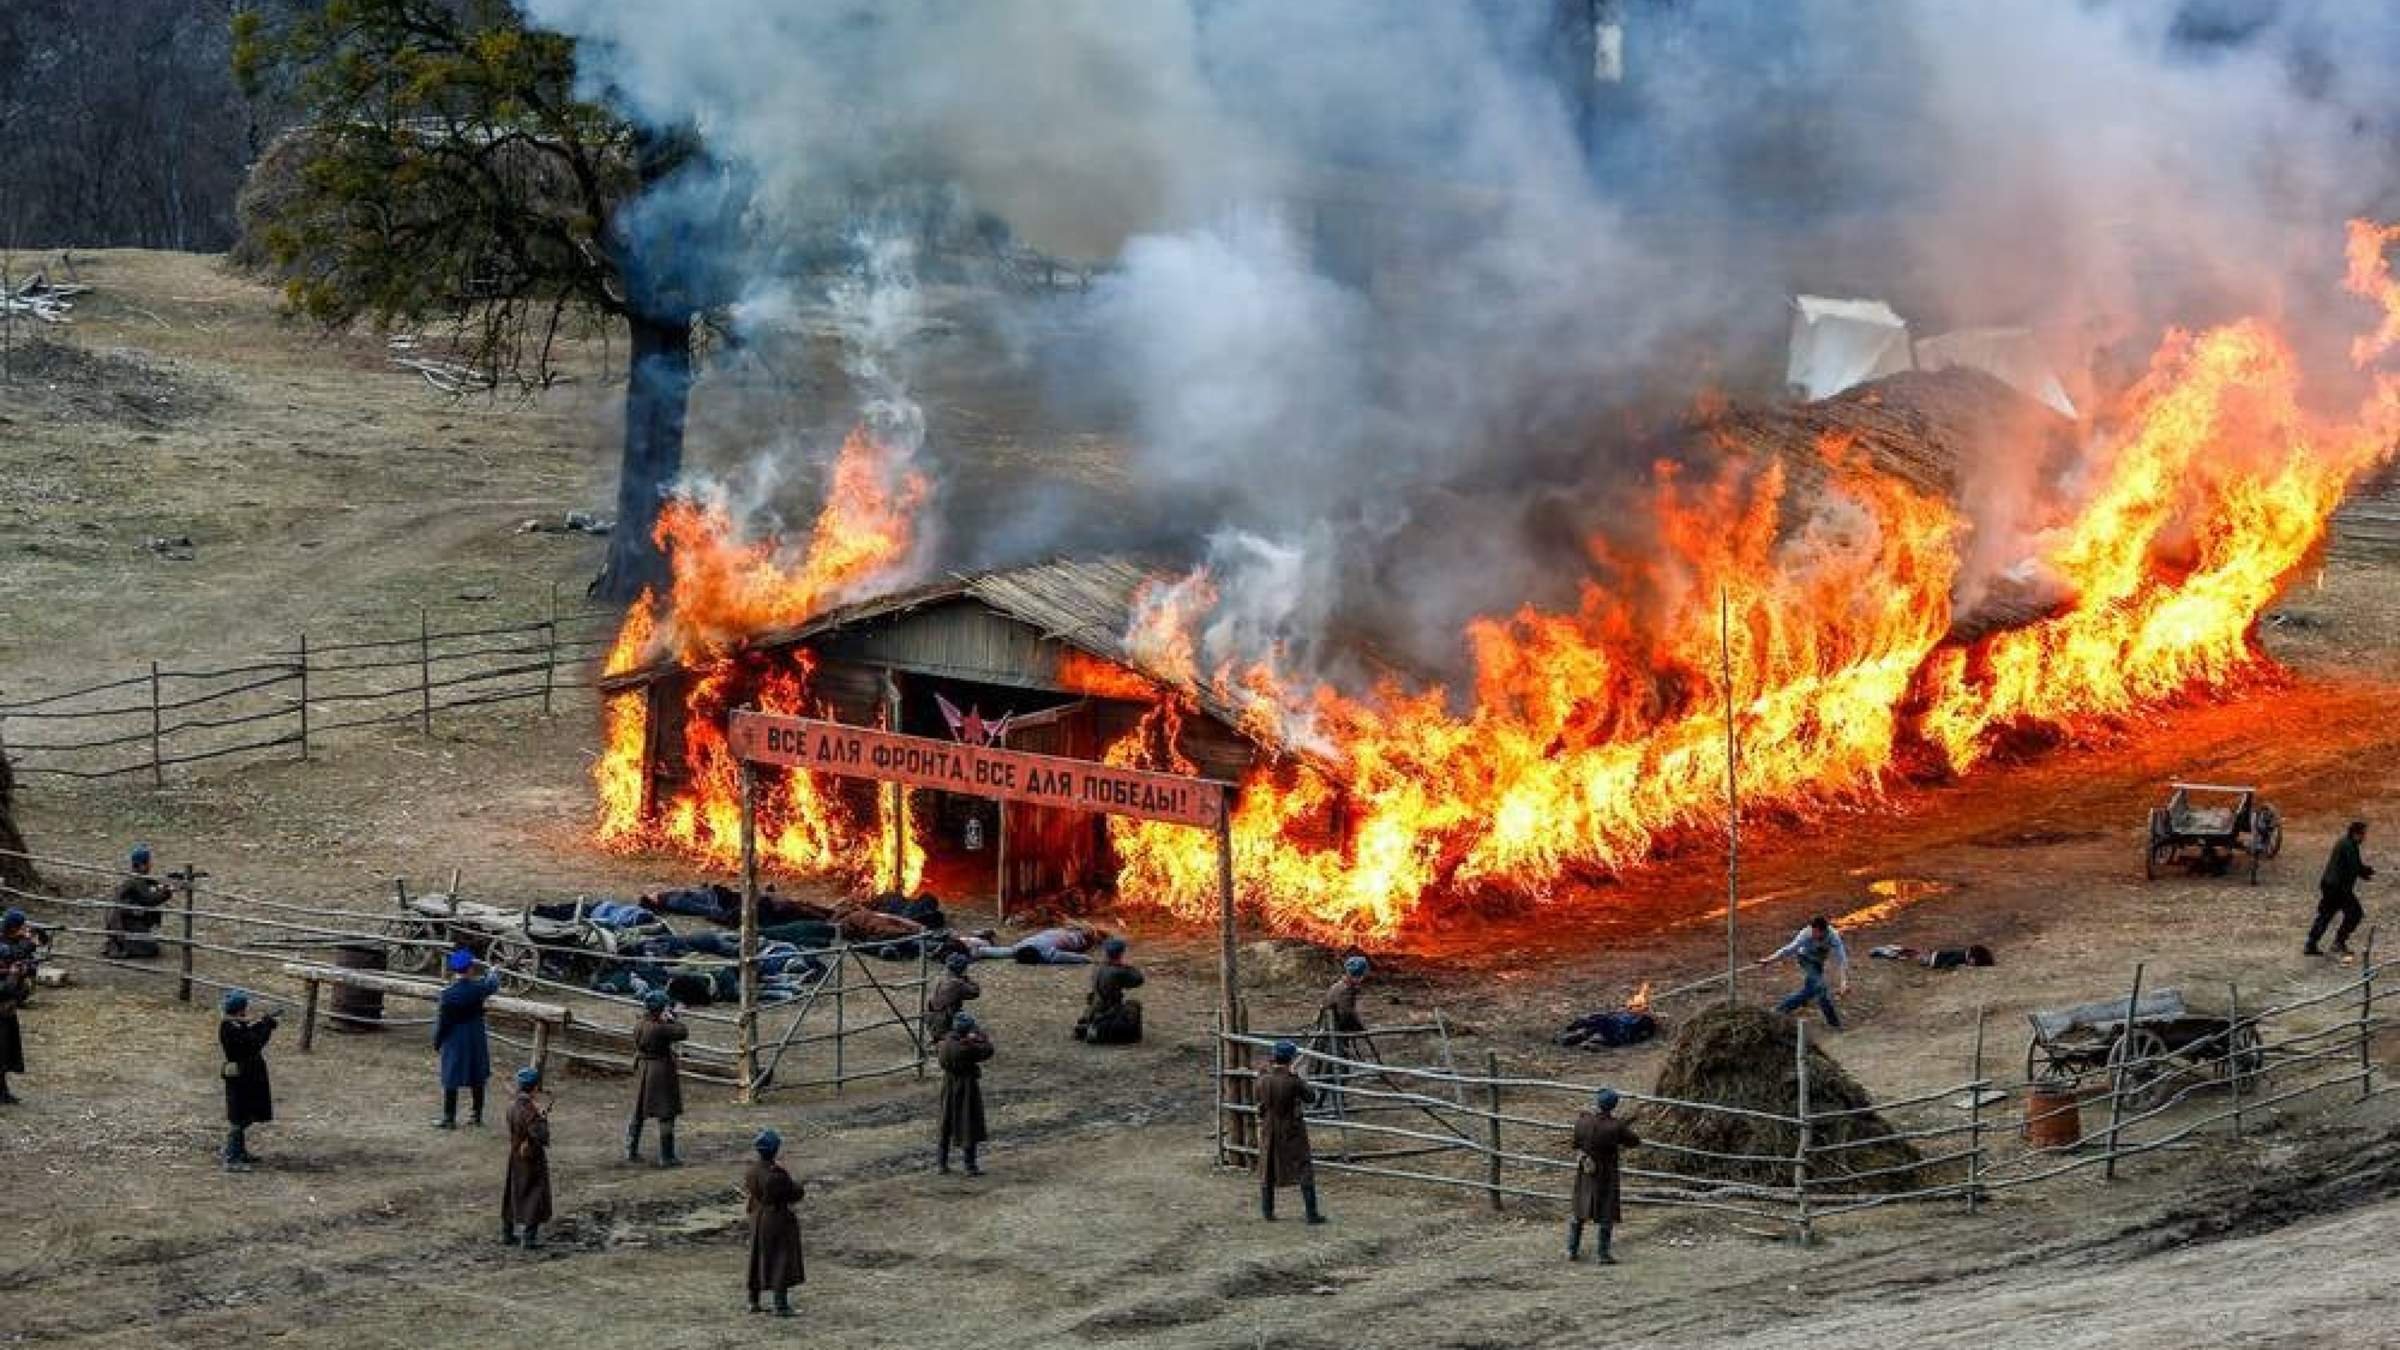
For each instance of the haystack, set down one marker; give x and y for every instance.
(1743, 1057)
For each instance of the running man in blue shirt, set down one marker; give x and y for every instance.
(1812, 947)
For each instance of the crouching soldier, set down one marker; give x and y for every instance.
(1110, 1018)
(133, 916)
(1283, 1156)
(949, 996)
(249, 1096)
(963, 1054)
(769, 1192)
(1599, 1138)
(657, 1084)
(525, 1198)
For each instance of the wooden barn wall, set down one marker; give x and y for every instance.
(1049, 849)
(961, 640)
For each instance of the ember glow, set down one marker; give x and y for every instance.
(1594, 738)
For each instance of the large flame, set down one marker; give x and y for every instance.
(1814, 620)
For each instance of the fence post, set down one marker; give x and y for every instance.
(1216, 1019)
(185, 881)
(425, 670)
(2233, 1047)
(550, 664)
(2366, 1019)
(841, 1016)
(1800, 1155)
(158, 770)
(2116, 1077)
(1975, 1118)
(304, 696)
(1491, 1072)
(1245, 1126)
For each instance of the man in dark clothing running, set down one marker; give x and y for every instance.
(2337, 891)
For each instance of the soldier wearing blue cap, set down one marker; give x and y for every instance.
(1109, 1017)
(1283, 1154)
(20, 952)
(657, 1083)
(963, 1054)
(525, 1197)
(249, 1097)
(134, 914)
(1599, 1138)
(459, 1034)
(769, 1192)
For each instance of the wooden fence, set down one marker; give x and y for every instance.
(289, 701)
(1507, 1136)
(855, 1015)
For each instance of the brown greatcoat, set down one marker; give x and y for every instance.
(657, 1088)
(1599, 1139)
(943, 1004)
(526, 1201)
(962, 1089)
(1283, 1153)
(1342, 1002)
(775, 1258)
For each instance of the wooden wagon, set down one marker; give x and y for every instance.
(2162, 1044)
(2214, 831)
(517, 943)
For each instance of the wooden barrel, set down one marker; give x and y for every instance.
(2053, 1116)
(358, 1009)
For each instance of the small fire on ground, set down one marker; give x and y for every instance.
(1593, 738)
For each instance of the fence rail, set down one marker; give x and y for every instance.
(873, 997)
(293, 699)
(1509, 1136)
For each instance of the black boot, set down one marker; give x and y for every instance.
(944, 1163)
(666, 1145)
(235, 1159)
(449, 1120)
(1308, 1201)
(1574, 1239)
(1603, 1256)
(7, 1098)
(783, 1303)
(1266, 1201)
(475, 1113)
(633, 1141)
(972, 1169)
(533, 1236)
(508, 1233)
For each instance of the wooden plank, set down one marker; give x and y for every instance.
(424, 989)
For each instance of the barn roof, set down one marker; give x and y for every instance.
(1083, 603)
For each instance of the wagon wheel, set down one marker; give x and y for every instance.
(2268, 833)
(2154, 861)
(2145, 1076)
(409, 952)
(515, 960)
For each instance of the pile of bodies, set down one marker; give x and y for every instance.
(697, 968)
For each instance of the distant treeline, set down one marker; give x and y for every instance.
(121, 124)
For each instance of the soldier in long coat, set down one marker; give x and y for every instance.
(1109, 1017)
(963, 1053)
(657, 1086)
(249, 1096)
(1283, 1156)
(769, 1192)
(20, 951)
(460, 1035)
(1599, 1138)
(525, 1198)
(948, 996)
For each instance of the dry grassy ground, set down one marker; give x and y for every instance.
(323, 488)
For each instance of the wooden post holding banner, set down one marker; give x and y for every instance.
(746, 1025)
(899, 805)
(1000, 846)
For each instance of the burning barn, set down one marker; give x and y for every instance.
(1035, 658)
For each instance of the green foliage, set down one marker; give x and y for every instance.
(441, 167)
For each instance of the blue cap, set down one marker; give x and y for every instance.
(1285, 1052)
(460, 959)
(1115, 946)
(141, 854)
(768, 1143)
(12, 919)
(655, 1000)
(528, 1076)
(1356, 965)
(963, 1021)
(234, 1001)
(957, 963)
(1606, 1099)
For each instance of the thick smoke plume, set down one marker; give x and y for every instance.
(1389, 290)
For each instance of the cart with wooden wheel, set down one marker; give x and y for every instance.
(2213, 829)
(2160, 1047)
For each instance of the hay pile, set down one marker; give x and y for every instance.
(1743, 1057)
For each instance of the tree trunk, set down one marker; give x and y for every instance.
(658, 388)
(16, 871)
